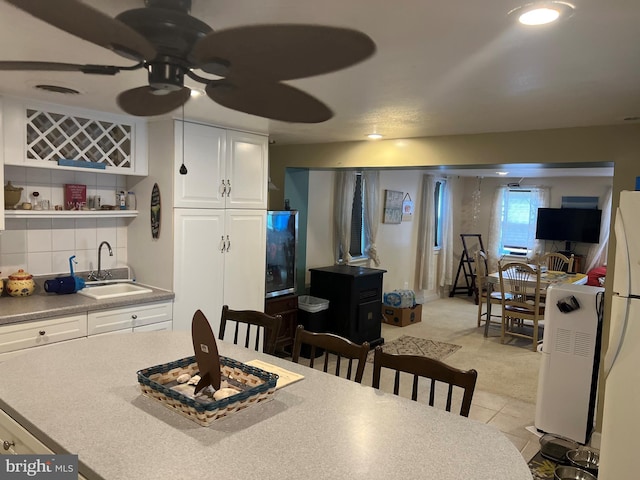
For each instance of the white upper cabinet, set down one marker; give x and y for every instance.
(246, 170)
(226, 168)
(203, 153)
(40, 134)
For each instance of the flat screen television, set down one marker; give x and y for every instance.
(569, 225)
(282, 238)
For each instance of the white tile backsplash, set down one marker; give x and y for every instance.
(12, 262)
(39, 263)
(43, 246)
(63, 234)
(39, 235)
(60, 262)
(86, 233)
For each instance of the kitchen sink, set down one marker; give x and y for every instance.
(113, 290)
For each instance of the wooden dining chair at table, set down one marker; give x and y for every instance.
(521, 304)
(487, 294)
(244, 321)
(435, 371)
(557, 262)
(336, 348)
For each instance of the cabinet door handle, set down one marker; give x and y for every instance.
(222, 244)
(228, 188)
(224, 188)
(42, 333)
(7, 444)
(134, 316)
(228, 243)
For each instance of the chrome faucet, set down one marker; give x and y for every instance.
(100, 275)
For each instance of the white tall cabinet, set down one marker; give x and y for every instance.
(212, 243)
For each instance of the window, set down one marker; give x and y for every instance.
(518, 222)
(357, 246)
(437, 203)
(357, 241)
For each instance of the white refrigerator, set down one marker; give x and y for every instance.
(621, 408)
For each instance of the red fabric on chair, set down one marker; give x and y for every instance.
(594, 274)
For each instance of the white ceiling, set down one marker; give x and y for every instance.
(442, 67)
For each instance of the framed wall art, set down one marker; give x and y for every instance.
(392, 206)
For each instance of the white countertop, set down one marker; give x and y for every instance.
(83, 398)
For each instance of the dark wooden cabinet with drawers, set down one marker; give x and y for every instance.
(355, 300)
(287, 306)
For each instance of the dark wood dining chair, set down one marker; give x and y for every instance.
(521, 301)
(335, 348)
(434, 370)
(268, 324)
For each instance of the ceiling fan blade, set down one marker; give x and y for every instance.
(284, 52)
(64, 67)
(81, 20)
(143, 102)
(270, 100)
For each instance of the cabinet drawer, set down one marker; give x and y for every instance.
(104, 321)
(20, 441)
(42, 332)
(155, 327)
(281, 305)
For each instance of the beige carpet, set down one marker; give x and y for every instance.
(408, 345)
(510, 369)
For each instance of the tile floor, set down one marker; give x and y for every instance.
(510, 416)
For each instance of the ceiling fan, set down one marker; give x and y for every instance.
(248, 63)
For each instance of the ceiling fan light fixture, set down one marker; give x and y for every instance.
(543, 12)
(165, 77)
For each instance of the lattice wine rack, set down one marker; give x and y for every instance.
(53, 136)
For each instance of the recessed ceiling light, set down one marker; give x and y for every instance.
(502, 174)
(374, 136)
(543, 12)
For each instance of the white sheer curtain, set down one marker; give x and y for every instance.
(446, 248)
(372, 213)
(426, 239)
(343, 205)
(597, 254)
(495, 228)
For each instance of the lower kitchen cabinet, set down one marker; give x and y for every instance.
(153, 316)
(16, 440)
(19, 336)
(287, 307)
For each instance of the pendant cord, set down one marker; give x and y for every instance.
(183, 169)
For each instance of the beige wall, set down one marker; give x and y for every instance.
(619, 145)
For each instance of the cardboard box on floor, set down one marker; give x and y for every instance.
(401, 317)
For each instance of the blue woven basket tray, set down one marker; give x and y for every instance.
(257, 385)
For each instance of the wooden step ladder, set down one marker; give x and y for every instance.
(470, 242)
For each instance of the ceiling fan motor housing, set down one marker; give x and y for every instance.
(165, 77)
